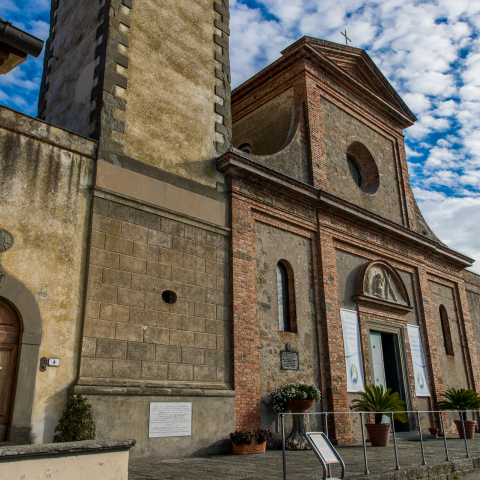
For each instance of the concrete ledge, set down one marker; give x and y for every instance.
(92, 460)
(87, 446)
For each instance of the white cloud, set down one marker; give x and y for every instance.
(454, 221)
(419, 46)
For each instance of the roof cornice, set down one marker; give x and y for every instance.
(305, 49)
(234, 164)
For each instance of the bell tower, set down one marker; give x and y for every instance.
(150, 80)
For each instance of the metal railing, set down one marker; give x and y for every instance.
(281, 416)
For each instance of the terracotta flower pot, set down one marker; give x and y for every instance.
(299, 406)
(433, 431)
(379, 434)
(469, 428)
(255, 447)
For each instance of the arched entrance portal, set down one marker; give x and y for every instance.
(9, 340)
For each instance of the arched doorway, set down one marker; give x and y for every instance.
(9, 340)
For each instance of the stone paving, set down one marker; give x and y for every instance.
(303, 465)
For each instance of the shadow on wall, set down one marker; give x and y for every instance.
(54, 407)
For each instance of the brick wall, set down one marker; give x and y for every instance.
(130, 332)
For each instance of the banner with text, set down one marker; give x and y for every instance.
(418, 360)
(353, 351)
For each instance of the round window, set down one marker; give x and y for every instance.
(169, 297)
(354, 171)
(363, 168)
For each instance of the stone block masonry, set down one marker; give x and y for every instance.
(130, 332)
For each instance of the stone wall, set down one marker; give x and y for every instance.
(69, 64)
(273, 245)
(340, 130)
(46, 176)
(130, 332)
(453, 366)
(174, 88)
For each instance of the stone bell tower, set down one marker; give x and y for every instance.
(149, 79)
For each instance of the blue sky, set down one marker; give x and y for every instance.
(428, 50)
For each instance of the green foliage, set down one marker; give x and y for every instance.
(459, 399)
(375, 399)
(247, 437)
(294, 391)
(76, 423)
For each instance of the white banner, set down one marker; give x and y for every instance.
(418, 360)
(353, 351)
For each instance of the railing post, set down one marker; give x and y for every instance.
(283, 447)
(326, 425)
(444, 437)
(421, 438)
(364, 445)
(464, 436)
(395, 442)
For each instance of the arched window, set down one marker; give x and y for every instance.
(447, 335)
(286, 297)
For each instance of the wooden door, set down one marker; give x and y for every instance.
(9, 338)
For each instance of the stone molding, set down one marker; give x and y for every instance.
(149, 391)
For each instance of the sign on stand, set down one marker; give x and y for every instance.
(170, 419)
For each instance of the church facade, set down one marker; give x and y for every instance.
(168, 240)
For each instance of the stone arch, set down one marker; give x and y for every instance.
(24, 303)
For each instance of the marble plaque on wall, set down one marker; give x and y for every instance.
(289, 360)
(170, 419)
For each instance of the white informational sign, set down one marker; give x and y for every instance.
(323, 447)
(170, 419)
(418, 360)
(353, 351)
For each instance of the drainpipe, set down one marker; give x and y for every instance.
(16, 38)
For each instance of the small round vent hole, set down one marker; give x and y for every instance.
(169, 297)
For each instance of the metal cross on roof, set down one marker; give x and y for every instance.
(346, 38)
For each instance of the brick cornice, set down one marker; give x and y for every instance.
(234, 164)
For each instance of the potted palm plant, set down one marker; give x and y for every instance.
(462, 400)
(376, 400)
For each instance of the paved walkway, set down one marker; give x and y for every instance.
(305, 466)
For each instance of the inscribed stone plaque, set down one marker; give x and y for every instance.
(289, 360)
(170, 419)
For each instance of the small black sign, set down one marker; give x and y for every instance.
(288, 360)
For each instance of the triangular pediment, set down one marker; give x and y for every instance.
(356, 65)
